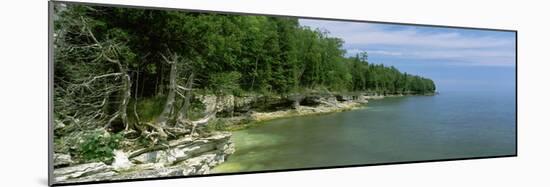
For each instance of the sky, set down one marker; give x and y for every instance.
(456, 59)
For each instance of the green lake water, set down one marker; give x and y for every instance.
(411, 128)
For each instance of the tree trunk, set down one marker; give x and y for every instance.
(136, 116)
(160, 82)
(255, 74)
(171, 98)
(296, 104)
(126, 84)
(126, 94)
(187, 103)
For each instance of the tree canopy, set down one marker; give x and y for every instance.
(272, 54)
(136, 71)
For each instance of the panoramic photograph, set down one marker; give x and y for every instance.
(145, 93)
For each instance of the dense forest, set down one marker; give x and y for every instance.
(109, 62)
(268, 54)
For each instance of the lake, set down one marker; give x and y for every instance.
(458, 124)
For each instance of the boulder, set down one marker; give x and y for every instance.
(62, 174)
(184, 151)
(183, 157)
(243, 103)
(227, 148)
(362, 99)
(197, 165)
(225, 103)
(61, 160)
(121, 161)
(94, 177)
(203, 163)
(177, 170)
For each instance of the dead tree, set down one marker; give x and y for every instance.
(95, 71)
(173, 121)
(171, 98)
(187, 102)
(95, 88)
(110, 51)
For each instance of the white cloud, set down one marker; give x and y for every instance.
(388, 53)
(410, 42)
(353, 52)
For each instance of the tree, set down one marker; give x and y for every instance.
(105, 55)
(94, 86)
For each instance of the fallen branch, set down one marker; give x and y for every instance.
(159, 129)
(159, 147)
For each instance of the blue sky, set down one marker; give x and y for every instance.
(456, 59)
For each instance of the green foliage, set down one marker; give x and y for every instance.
(232, 53)
(225, 83)
(99, 146)
(148, 109)
(228, 54)
(61, 145)
(217, 125)
(196, 110)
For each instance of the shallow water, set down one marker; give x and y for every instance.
(411, 128)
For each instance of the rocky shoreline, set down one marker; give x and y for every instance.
(307, 105)
(186, 156)
(325, 107)
(183, 157)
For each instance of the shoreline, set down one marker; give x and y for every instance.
(186, 157)
(326, 107)
(181, 157)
